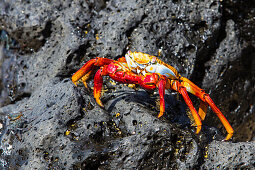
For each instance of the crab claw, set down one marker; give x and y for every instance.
(85, 72)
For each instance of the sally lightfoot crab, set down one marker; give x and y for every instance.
(150, 73)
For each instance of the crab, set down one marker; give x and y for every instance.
(150, 73)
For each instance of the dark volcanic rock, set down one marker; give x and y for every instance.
(30, 22)
(49, 123)
(228, 51)
(56, 133)
(230, 73)
(224, 155)
(42, 125)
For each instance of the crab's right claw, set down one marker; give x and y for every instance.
(84, 72)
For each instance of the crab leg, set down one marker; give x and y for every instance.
(176, 85)
(222, 118)
(112, 70)
(86, 77)
(161, 88)
(195, 90)
(205, 101)
(98, 83)
(85, 71)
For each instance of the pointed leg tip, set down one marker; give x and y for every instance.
(99, 102)
(75, 83)
(229, 136)
(85, 84)
(198, 129)
(160, 114)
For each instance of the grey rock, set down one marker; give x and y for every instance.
(42, 125)
(228, 51)
(55, 133)
(30, 23)
(222, 155)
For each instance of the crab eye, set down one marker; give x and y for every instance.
(153, 60)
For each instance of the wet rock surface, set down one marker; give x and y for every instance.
(48, 122)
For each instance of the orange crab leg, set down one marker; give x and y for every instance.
(222, 118)
(86, 77)
(176, 85)
(195, 90)
(205, 101)
(161, 88)
(112, 70)
(202, 109)
(85, 71)
(98, 83)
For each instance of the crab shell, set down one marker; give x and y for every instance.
(142, 63)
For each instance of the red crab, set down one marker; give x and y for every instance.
(150, 73)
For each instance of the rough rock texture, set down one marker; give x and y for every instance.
(55, 133)
(230, 155)
(49, 123)
(231, 70)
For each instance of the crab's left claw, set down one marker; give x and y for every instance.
(205, 101)
(84, 72)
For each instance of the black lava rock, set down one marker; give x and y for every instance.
(47, 122)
